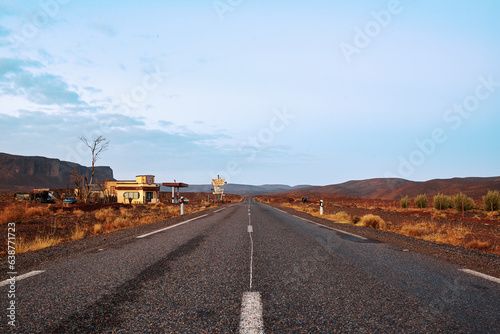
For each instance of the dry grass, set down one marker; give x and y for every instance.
(126, 213)
(78, 212)
(105, 215)
(59, 212)
(449, 234)
(493, 214)
(39, 242)
(37, 211)
(438, 215)
(98, 228)
(12, 213)
(159, 205)
(458, 235)
(78, 233)
(339, 217)
(121, 222)
(372, 221)
(479, 245)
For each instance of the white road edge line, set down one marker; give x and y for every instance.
(251, 313)
(478, 274)
(18, 278)
(169, 227)
(219, 210)
(332, 228)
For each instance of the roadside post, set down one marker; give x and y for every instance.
(321, 207)
(182, 206)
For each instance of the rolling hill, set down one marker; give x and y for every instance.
(393, 189)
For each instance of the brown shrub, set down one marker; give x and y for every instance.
(105, 215)
(37, 211)
(339, 217)
(493, 214)
(98, 228)
(12, 214)
(39, 242)
(419, 230)
(78, 212)
(438, 215)
(479, 245)
(372, 221)
(121, 222)
(78, 233)
(126, 213)
(159, 205)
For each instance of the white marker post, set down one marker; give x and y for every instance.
(182, 206)
(321, 207)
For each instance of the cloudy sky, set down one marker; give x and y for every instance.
(293, 92)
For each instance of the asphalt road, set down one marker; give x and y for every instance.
(252, 268)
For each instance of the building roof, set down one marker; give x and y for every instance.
(176, 185)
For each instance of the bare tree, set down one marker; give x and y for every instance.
(96, 146)
(78, 180)
(105, 191)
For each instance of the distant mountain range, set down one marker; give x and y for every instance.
(241, 189)
(23, 173)
(387, 188)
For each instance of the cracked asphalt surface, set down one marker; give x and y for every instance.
(191, 279)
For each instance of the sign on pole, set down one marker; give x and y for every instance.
(218, 190)
(218, 182)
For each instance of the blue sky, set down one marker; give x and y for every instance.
(293, 92)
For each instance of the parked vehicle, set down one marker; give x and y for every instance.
(44, 197)
(22, 197)
(70, 200)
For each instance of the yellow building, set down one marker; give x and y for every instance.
(141, 191)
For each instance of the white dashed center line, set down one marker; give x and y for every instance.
(251, 306)
(478, 274)
(169, 227)
(251, 313)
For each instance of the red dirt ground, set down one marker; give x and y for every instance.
(484, 227)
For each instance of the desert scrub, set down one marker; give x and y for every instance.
(442, 202)
(105, 215)
(373, 222)
(12, 214)
(438, 215)
(37, 211)
(462, 203)
(339, 217)
(405, 202)
(23, 246)
(421, 201)
(491, 202)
